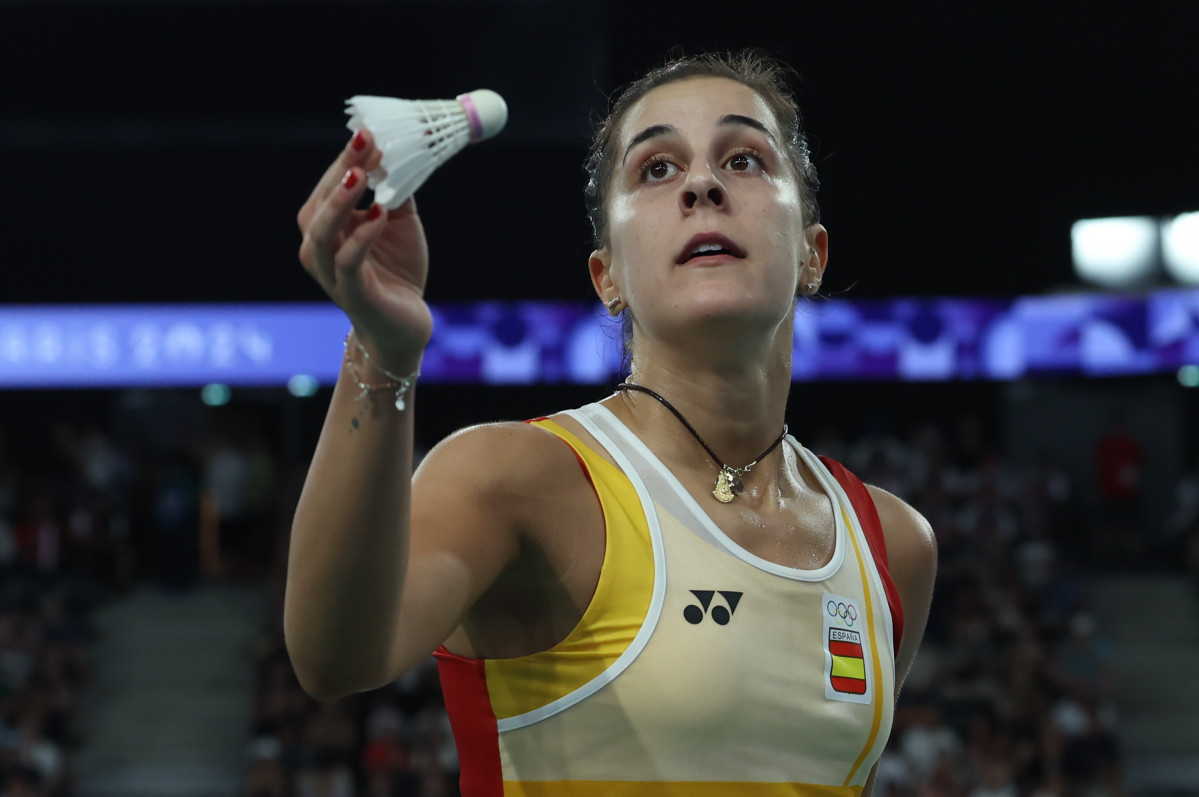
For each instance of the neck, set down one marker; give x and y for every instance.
(736, 403)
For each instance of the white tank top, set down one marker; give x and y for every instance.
(698, 668)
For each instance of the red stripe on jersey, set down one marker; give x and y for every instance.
(849, 686)
(863, 506)
(464, 687)
(838, 648)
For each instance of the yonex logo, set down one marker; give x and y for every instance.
(845, 614)
(721, 614)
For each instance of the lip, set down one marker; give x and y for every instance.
(709, 238)
(710, 260)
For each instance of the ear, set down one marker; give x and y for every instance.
(600, 266)
(815, 259)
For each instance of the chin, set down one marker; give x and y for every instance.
(730, 309)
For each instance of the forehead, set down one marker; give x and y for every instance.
(695, 103)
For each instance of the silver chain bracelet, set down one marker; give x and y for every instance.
(400, 384)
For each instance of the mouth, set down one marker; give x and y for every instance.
(709, 247)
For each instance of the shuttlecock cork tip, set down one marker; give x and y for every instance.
(486, 111)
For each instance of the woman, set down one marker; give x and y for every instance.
(658, 593)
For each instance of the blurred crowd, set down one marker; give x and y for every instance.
(84, 518)
(1010, 695)
(392, 741)
(55, 560)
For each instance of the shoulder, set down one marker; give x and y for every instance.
(503, 440)
(909, 539)
(911, 542)
(506, 464)
(912, 560)
(500, 452)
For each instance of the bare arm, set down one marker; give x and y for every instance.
(351, 572)
(348, 549)
(868, 788)
(382, 567)
(912, 555)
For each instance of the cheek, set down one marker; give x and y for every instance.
(786, 219)
(631, 233)
(620, 212)
(788, 199)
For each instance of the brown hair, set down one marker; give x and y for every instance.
(765, 75)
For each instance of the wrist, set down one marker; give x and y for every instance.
(388, 361)
(363, 368)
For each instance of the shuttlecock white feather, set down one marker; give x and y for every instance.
(417, 136)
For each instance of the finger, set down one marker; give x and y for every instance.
(329, 226)
(360, 151)
(355, 249)
(406, 208)
(369, 225)
(354, 153)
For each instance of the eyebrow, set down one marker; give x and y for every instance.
(653, 131)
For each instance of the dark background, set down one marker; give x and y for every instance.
(158, 152)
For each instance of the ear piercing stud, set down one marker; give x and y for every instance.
(812, 286)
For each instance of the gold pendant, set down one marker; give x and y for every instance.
(728, 485)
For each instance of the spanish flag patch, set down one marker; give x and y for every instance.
(845, 649)
(849, 668)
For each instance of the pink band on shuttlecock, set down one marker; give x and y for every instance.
(472, 116)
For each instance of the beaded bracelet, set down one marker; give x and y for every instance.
(400, 384)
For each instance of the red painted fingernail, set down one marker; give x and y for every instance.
(358, 142)
(374, 212)
(350, 180)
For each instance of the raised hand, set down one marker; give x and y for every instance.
(372, 263)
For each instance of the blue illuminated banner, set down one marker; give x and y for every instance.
(161, 345)
(563, 342)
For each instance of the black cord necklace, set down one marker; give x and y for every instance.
(728, 483)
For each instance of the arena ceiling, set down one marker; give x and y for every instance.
(159, 151)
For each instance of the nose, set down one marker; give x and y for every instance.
(701, 187)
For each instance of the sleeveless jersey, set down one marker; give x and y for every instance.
(698, 669)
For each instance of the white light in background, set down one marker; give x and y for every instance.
(215, 395)
(302, 385)
(1116, 252)
(1180, 247)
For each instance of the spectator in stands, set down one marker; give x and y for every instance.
(1119, 461)
(177, 519)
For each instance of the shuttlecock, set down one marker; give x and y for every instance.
(417, 136)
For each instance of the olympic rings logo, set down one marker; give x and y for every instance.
(845, 614)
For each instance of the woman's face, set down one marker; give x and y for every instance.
(705, 217)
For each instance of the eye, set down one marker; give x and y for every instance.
(746, 160)
(657, 169)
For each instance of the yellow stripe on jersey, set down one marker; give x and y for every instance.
(849, 667)
(622, 597)
(632, 788)
(876, 668)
